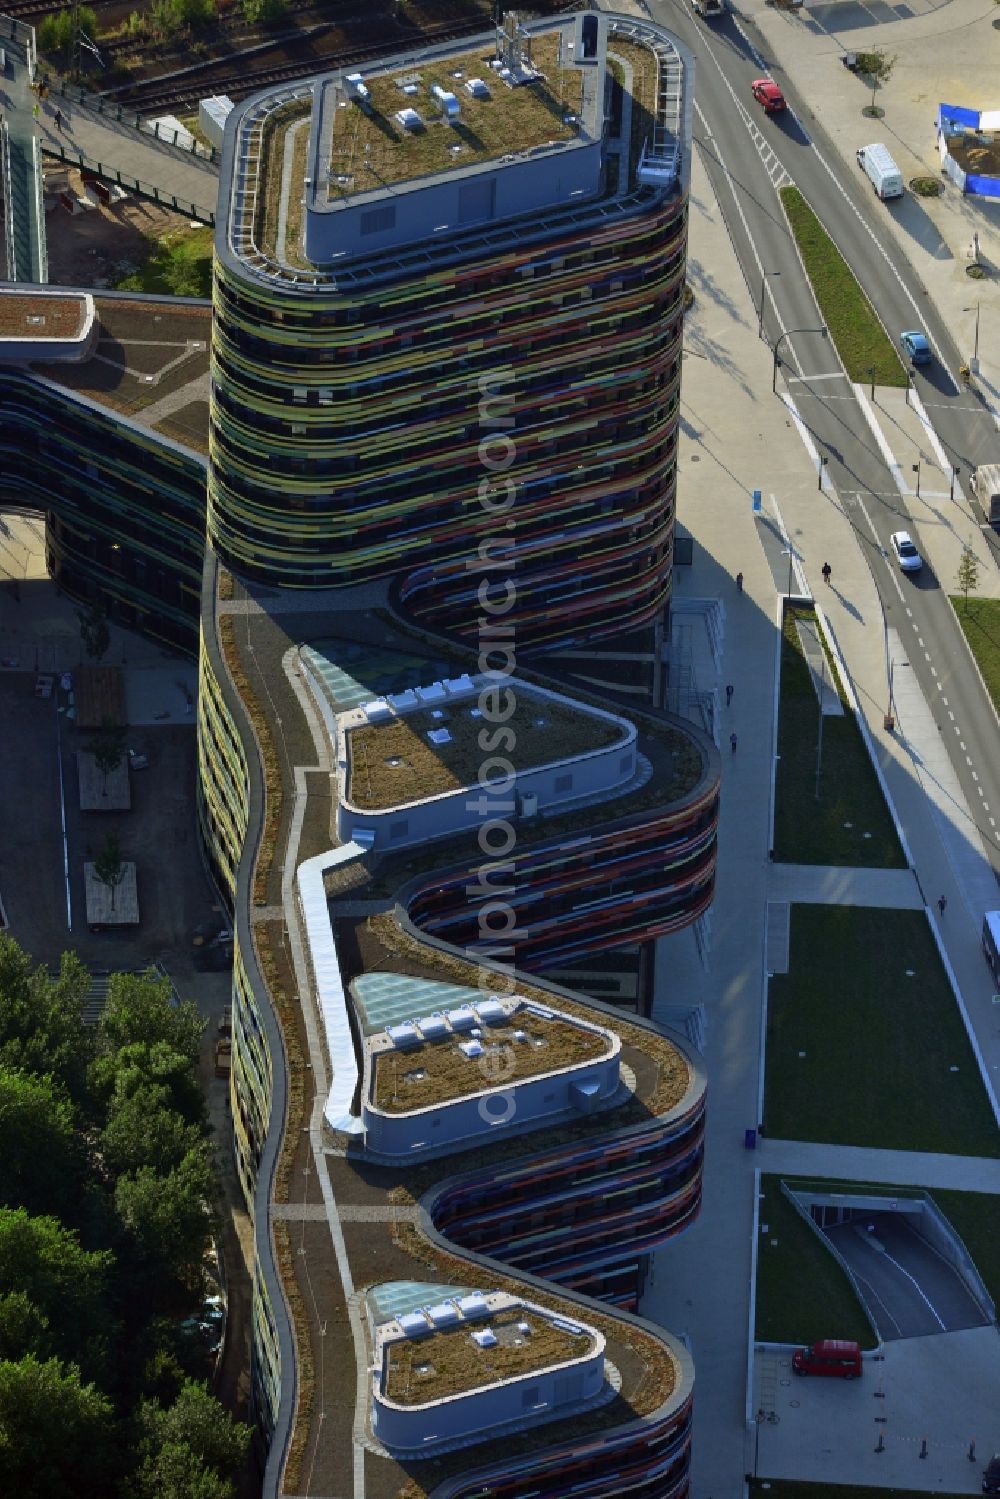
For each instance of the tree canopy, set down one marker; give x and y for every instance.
(41, 1017)
(55, 1432)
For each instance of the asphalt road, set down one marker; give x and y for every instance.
(749, 156)
(910, 1291)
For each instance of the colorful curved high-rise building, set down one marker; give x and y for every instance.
(445, 361)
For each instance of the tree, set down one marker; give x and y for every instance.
(168, 17)
(108, 750)
(41, 1017)
(143, 1130)
(108, 866)
(133, 1068)
(55, 1432)
(968, 573)
(168, 1217)
(263, 11)
(878, 69)
(57, 34)
(142, 1008)
(94, 631)
(41, 1160)
(190, 1448)
(23, 1328)
(42, 1261)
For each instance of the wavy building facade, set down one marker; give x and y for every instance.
(443, 424)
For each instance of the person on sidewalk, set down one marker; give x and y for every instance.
(739, 582)
(58, 119)
(730, 689)
(827, 572)
(942, 904)
(732, 743)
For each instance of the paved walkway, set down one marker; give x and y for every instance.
(24, 219)
(902, 1168)
(832, 885)
(117, 152)
(113, 149)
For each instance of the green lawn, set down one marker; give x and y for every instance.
(180, 264)
(980, 619)
(859, 336)
(867, 1002)
(850, 824)
(802, 1293)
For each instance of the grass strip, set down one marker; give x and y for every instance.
(849, 823)
(802, 1292)
(865, 1044)
(179, 264)
(980, 622)
(861, 340)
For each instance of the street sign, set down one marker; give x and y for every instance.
(756, 501)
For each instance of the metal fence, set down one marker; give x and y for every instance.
(180, 140)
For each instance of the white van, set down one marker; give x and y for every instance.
(986, 488)
(881, 170)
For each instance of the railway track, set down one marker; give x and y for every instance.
(225, 77)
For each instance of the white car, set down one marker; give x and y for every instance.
(909, 559)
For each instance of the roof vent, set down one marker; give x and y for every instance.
(439, 736)
(471, 1048)
(485, 1338)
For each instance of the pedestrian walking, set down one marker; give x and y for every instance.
(942, 903)
(827, 572)
(739, 582)
(732, 743)
(58, 119)
(730, 689)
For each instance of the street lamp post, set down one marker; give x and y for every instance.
(763, 287)
(975, 352)
(871, 370)
(777, 346)
(916, 470)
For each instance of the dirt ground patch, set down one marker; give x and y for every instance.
(977, 156)
(98, 246)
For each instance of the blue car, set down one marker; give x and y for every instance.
(915, 345)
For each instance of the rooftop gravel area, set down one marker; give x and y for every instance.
(25, 316)
(370, 147)
(393, 763)
(448, 1362)
(437, 1072)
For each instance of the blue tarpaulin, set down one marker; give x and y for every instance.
(959, 115)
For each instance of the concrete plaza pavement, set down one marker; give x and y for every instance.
(737, 436)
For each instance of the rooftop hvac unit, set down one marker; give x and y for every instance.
(491, 1012)
(403, 1037)
(462, 1019)
(409, 119)
(471, 1048)
(448, 102)
(435, 692)
(485, 1338)
(414, 1324)
(445, 1314)
(356, 88)
(478, 89)
(439, 736)
(474, 1305)
(433, 1027)
(377, 711)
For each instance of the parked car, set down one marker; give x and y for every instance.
(909, 559)
(915, 345)
(832, 1356)
(767, 92)
(991, 1475)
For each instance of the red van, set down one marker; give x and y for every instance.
(832, 1356)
